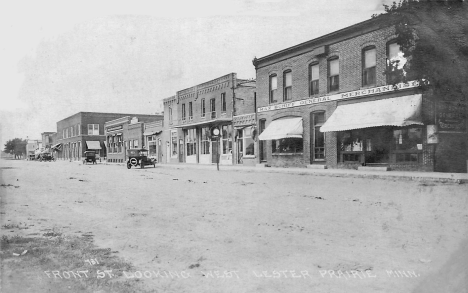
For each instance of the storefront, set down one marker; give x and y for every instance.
(246, 136)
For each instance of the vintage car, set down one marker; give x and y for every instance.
(46, 156)
(89, 157)
(139, 157)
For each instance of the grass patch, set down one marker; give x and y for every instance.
(62, 264)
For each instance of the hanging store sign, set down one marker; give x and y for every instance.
(451, 116)
(247, 119)
(342, 96)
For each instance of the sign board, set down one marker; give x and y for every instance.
(451, 116)
(432, 137)
(342, 96)
(114, 128)
(241, 120)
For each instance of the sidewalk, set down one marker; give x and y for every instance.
(391, 175)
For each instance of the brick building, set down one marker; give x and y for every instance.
(126, 133)
(193, 111)
(327, 103)
(48, 139)
(83, 131)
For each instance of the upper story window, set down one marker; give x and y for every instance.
(273, 88)
(333, 75)
(287, 85)
(190, 110)
(203, 107)
(395, 63)
(223, 102)
(78, 129)
(368, 66)
(183, 112)
(170, 115)
(213, 108)
(313, 79)
(93, 129)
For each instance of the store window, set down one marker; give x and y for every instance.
(273, 88)
(368, 66)
(351, 144)
(223, 102)
(203, 107)
(119, 143)
(248, 142)
(227, 139)
(333, 75)
(191, 141)
(287, 85)
(407, 144)
(287, 146)
(174, 143)
(93, 129)
(314, 79)
(318, 119)
(205, 141)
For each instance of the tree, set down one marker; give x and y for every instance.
(16, 146)
(433, 35)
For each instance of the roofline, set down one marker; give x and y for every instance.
(328, 39)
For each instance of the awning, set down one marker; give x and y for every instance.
(401, 111)
(152, 132)
(56, 146)
(93, 145)
(283, 128)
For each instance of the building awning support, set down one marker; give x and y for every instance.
(401, 111)
(283, 128)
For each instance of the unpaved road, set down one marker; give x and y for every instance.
(272, 232)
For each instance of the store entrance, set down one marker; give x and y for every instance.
(377, 145)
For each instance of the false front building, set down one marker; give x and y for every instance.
(327, 103)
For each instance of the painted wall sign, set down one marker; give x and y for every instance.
(247, 119)
(342, 96)
(451, 116)
(114, 128)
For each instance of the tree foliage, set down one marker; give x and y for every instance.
(16, 146)
(433, 35)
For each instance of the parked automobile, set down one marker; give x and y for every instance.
(46, 156)
(139, 157)
(89, 157)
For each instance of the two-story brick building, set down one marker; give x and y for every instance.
(327, 103)
(83, 131)
(193, 111)
(126, 132)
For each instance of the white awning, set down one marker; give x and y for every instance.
(93, 145)
(283, 128)
(401, 111)
(152, 132)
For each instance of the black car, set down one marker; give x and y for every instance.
(139, 157)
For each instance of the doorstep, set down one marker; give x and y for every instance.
(317, 166)
(367, 168)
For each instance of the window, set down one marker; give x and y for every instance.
(313, 79)
(170, 115)
(226, 131)
(223, 102)
(287, 85)
(203, 107)
(407, 144)
(152, 146)
(93, 129)
(273, 88)
(135, 143)
(72, 131)
(333, 75)
(368, 66)
(78, 129)
(248, 142)
(351, 145)
(191, 141)
(213, 108)
(205, 141)
(287, 145)
(190, 110)
(174, 144)
(183, 112)
(395, 63)
(120, 143)
(64, 134)
(318, 137)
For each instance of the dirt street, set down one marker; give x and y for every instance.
(191, 230)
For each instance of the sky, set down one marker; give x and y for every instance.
(58, 58)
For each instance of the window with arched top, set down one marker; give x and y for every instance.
(314, 79)
(273, 88)
(287, 85)
(333, 74)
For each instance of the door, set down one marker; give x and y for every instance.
(377, 145)
(317, 138)
(168, 152)
(262, 143)
(181, 150)
(214, 150)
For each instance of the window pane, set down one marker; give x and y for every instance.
(334, 67)
(274, 82)
(369, 58)
(314, 72)
(393, 50)
(288, 79)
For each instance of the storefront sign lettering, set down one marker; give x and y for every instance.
(114, 128)
(247, 119)
(451, 116)
(341, 96)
